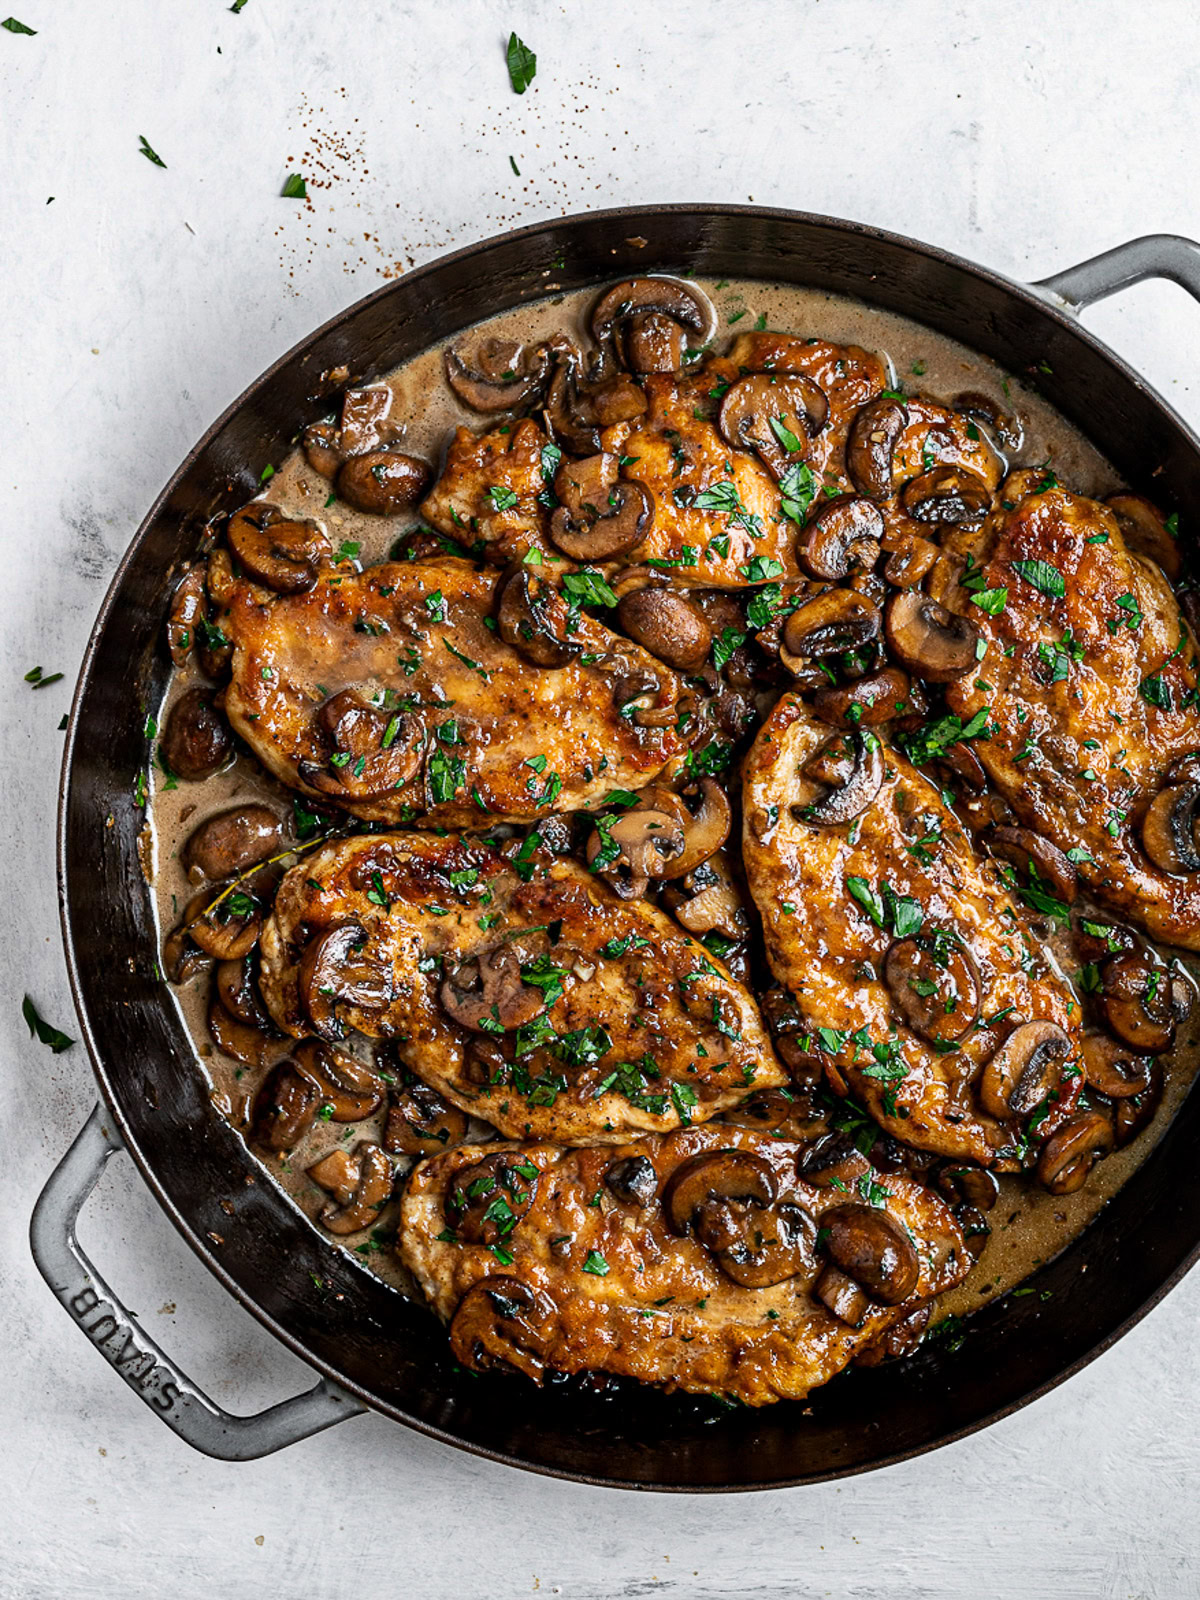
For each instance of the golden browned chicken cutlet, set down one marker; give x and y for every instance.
(905, 953)
(522, 988)
(1089, 691)
(493, 489)
(701, 1261)
(387, 693)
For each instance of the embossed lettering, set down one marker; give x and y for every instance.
(109, 1324)
(166, 1397)
(83, 1302)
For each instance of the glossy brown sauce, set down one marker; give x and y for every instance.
(1029, 1226)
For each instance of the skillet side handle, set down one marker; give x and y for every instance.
(151, 1374)
(1156, 255)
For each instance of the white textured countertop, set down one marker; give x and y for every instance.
(135, 306)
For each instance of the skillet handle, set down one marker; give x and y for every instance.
(1155, 255)
(151, 1374)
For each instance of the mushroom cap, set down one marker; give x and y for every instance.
(737, 1175)
(197, 741)
(871, 444)
(645, 840)
(488, 994)
(878, 697)
(504, 1323)
(624, 522)
(872, 1250)
(832, 622)
(351, 1089)
(1169, 828)
(1112, 1069)
(766, 412)
(371, 1193)
(532, 617)
(1145, 531)
(935, 984)
(487, 1200)
(1136, 1001)
(382, 482)
(228, 926)
(636, 297)
(374, 752)
(336, 968)
(668, 625)
(933, 643)
(632, 1180)
(284, 1108)
(231, 841)
(946, 495)
(282, 554)
(854, 792)
(500, 376)
(1025, 1069)
(1070, 1154)
(840, 536)
(1037, 859)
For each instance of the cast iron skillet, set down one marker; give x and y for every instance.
(378, 1349)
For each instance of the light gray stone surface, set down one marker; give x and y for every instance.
(135, 306)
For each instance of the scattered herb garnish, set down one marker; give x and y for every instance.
(295, 187)
(54, 1037)
(522, 64)
(150, 155)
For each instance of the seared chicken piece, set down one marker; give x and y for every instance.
(903, 949)
(527, 993)
(489, 490)
(1089, 685)
(700, 1261)
(386, 693)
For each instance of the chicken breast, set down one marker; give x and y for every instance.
(1089, 690)
(699, 1261)
(903, 949)
(386, 693)
(523, 988)
(492, 491)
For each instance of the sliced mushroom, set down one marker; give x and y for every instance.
(487, 993)
(871, 444)
(365, 419)
(785, 1113)
(336, 969)
(881, 696)
(282, 554)
(501, 1323)
(873, 1251)
(197, 741)
(1005, 425)
(350, 1089)
(1169, 828)
(707, 900)
(1036, 860)
(965, 1182)
(421, 1122)
(632, 1180)
(245, 1042)
(532, 617)
(833, 622)
(323, 448)
(935, 984)
(228, 926)
(234, 985)
(374, 752)
(653, 343)
(189, 604)
(774, 416)
(1024, 1070)
(1112, 1069)
(638, 298)
(667, 624)
(1145, 530)
(382, 482)
(1136, 1002)
(631, 849)
(726, 1198)
(832, 1161)
(228, 843)
(1070, 1154)
(486, 1200)
(910, 561)
(930, 641)
(1134, 1115)
(338, 1174)
(284, 1108)
(576, 412)
(946, 495)
(841, 1296)
(854, 791)
(703, 812)
(716, 1175)
(500, 376)
(371, 1193)
(962, 763)
(841, 537)
(598, 518)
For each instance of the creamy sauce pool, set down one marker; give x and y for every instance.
(1029, 1226)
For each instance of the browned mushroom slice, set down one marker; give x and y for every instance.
(705, 815)
(182, 956)
(188, 607)
(726, 1198)
(488, 993)
(420, 1122)
(1036, 860)
(1112, 1069)
(774, 416)
(371, 1193)
(879, 697)
(338, 1174)
(1025, 1069)
(336, 970)
(840, 537)
(234, 984)
(707, 900)
(243, 1041)
(833, 1161)
(964, 1181)
(653, 343)
(532, 617)
(197, 741)
(382, 482)
(946, 495)
(872, 443)
(283, 554)
(930, 641)
(632, 1180)
(598, 517)
(935, 984)
(643, 297)
(841, 1296)
(631, 849)
(231, 841)
(1070, 1154)
(717, 1175)
(831, 623)
(1146, 531)
(374, 751)
(873, 1251)
(500, 376)
(571, 422)
(1132, 1116)
(323, 448)
(350, 1089)
(667, 624)
(909, 562)
(365, 419)
(284, 1108)
(1169, 833)
(1136, 1002)
(1005, 425)
(851, 793)
(487, 1200)
(229, 925)
(784, 1113)
(503, 1323)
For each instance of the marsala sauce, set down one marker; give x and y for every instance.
(1029, 1226)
